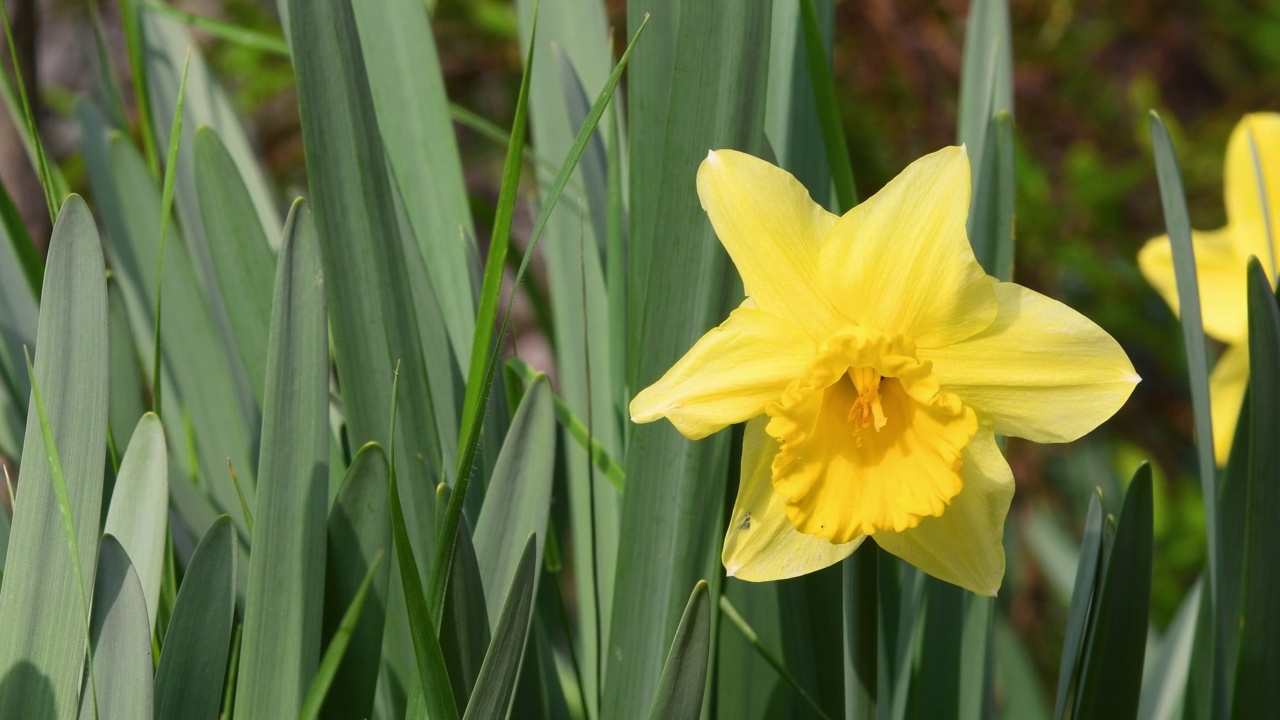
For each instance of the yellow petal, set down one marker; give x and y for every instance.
(901, 261)
(1220, 275)
(1244, 193)
(1042, 371)
(772, 230)
(761, 544)
(728, 375)
(965, 545)
(845, 474)
(1227, 384)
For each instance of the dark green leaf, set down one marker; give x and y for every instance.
(684, 674)
(1082, 594)
(1111, 679)
(335, 653)
(496, 685)
(359, 528)
(193, 662)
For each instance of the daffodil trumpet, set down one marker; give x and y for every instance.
(1252, 193)
(874, 363)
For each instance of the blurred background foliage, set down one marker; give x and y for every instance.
(1085, 74)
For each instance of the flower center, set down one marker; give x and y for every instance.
(866, 410)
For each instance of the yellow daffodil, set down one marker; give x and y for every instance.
(875, 362)
(1221, 258)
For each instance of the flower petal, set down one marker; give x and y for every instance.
(901, 261)
(1227, 383)
(965, 545)
(772, 230)
(761, 544)
(1243, 193)
(728, 375)
(842, 477)
(1220, 274)
(1042, 371)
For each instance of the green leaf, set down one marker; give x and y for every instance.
(19, 306)
(120, 634)
(26, 256)
(242, 256)
(680, 285)
(986, 78)
(359, 529)
(1078, 613)
(749, 634)
(1111, 679)
(193, 662)
(1017, 680)
(496, 685)
(952, 672)
(860, 594)
(408, 94)
(335, 653)
(284, 604)
(823, 87)
(50, 181)
(1178, 223)
(573, 56)
(684, 674)
(372, 316)
(1165, 684)
(464, 636)
(42, 614)
(242, 36)
(139, 514)
(209, 410)
(127, 405)
(1255, 689)
(519, 496)
(991, 210)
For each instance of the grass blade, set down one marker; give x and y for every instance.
(193, 663)
(284, 603)
(684, 674)
(465, 636)
(139, 513)
(242, 36)
(732, 615)
(43, 607)
(52, 192)
(496, 685)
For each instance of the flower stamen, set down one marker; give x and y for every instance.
(866, 409)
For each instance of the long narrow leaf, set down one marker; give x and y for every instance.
(334, 654)
(121, 641)
(139, 513)
(496, 685)
(684, 674)
(42, 609)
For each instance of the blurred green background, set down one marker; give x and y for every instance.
(1085, 75)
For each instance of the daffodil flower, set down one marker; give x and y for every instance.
(875, 363)
(1221, 258)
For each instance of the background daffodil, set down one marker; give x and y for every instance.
(1221, 257)
(875, 363)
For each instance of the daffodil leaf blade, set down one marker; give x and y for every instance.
(1165, 685)
(139, 512)
(465, 631)
(986, 76)
(679, 286)
(955, 639)
(120, 635)
(19, 305)
(684, 674)
(193, 662)
(284, 607)
(201, 380)
(816, 39)
(1082, 595)
(359, 527)
(1254, 688)
(1016, 679)
(1111, 678)
(496, 684)
(412, 112)
(372, 313)
(242, 256)
(53, 541)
